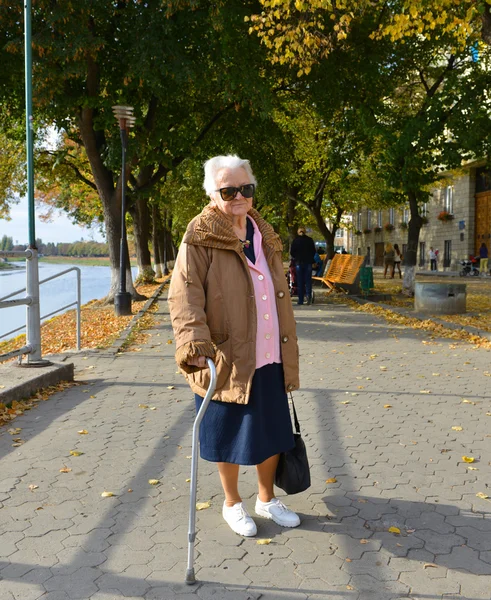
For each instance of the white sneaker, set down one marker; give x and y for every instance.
(239, 519)
(276, 510)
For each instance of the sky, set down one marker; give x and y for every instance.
(60, 229)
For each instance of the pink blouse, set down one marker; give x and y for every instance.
(268, 328)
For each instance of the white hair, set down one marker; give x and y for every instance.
(215, 164)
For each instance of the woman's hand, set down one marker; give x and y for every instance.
(198, 361)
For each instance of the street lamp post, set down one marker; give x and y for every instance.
(122, 299)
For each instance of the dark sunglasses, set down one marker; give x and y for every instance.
(229, 193)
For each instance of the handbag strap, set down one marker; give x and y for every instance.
(295, 418)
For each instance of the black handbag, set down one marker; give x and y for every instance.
(293, 470)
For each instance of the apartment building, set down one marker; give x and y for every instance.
(457, 221)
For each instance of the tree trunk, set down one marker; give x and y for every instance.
(486, 25)
(410, 257)
(112, 220)
(291, 219)
(155, 243)
(141, 230)
(327, 233)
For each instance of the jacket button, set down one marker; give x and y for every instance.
(284, 339)
(280, 294)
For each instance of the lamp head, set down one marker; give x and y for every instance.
(124, 115)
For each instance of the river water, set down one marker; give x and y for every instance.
(53, 294)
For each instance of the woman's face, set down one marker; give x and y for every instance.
(239, 206)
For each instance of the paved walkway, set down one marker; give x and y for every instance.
(377, 406)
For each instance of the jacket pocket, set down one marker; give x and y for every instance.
(223, 363)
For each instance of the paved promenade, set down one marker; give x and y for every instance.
(384, 417)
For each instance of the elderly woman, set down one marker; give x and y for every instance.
(229, 301)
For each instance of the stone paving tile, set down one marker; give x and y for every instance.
(394, 467)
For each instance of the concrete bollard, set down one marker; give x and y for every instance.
(440, 298)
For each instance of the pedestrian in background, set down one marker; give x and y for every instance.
(303, 252)
(397, 261)
(483, 263)
(317, 267)
(389, 256)
(432, 254)
(229, 301)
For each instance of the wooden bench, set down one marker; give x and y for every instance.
(342, 269)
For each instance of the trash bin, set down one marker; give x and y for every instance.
(366, 279)
(440, 298)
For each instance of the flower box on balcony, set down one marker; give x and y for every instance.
(377, 229)
(389, 227)
(357, 232)
(424, 220)
(403, 225)
(367, 230)
(445, 216)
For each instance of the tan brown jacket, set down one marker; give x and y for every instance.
(213, 308)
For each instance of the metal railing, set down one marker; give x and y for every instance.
(31, 300)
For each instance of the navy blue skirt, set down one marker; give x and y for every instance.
(248, 434)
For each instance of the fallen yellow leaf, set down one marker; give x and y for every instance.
(171, 387)
(472, 468)
(33, 487)
(482, 495)
(363, 541)
(202, 505)
(387, 405)
(107, 494)
(188, 480)
(65, 470)
(75, 453)
(394, 530)
(457, 428)
(425, 391)
(263, 542)
(83, 432)
(154, 481)
(468, 459)
(426, 565)
(331, 480)
(143, 406)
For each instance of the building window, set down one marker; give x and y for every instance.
(448, 193)
(424, 209)
(391, 216)
(422, 253)
(379, 218)
(405, 215)
(359, 221)
(447, 253)
(369, 219)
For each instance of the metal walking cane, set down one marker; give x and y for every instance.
(190, 577)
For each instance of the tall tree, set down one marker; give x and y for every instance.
(180, 64)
